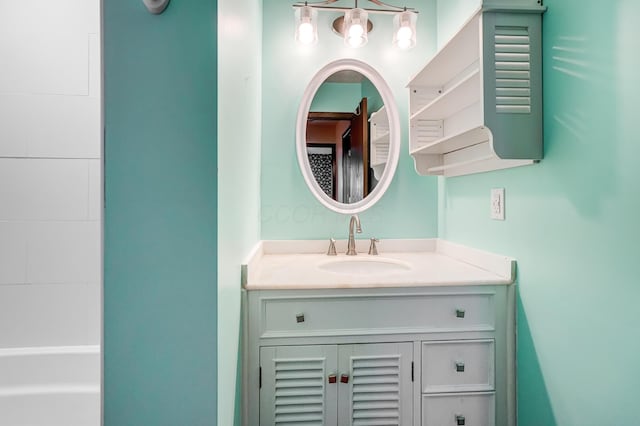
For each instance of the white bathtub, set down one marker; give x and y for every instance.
(50, 386)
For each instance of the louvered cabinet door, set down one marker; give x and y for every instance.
(295, 388)
(378, 389)
(512, 84)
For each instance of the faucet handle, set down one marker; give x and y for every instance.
(373, 250)
(332, 248)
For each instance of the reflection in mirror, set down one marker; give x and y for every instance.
(347, 136)
(348, 184)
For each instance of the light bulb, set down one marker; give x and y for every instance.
(356, 41)
(403, 43)
(355, 30)
(306, 26)
(404, 33)
(306, 33)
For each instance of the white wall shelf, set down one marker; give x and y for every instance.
(476, 105)
(379, 141)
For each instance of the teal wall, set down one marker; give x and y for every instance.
(451, 15)
(337, 97)
(374, 99)
(572, 223)
(345, 97)
(160, 293)
(239, 106)
(288, 209)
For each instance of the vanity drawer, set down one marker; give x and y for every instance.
(458, 365)
(362, 314)
(467, 409)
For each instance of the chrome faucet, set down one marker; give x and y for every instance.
(351, 244)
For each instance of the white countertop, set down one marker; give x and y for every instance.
(429, 262)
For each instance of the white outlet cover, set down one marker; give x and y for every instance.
(497, 204)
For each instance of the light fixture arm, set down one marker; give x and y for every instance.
(326, 5)
(390, 6)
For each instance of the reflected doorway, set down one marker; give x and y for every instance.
(338, 151)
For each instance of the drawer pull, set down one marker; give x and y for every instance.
(459, 313)
(344, 378)
(333, 378)
(460, 367)
(299, 317)
(460, 420)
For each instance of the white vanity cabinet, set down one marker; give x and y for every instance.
(406, 356)
(477, 104)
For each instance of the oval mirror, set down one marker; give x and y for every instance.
(348, 136)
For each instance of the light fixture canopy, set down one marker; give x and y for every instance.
(355, 26)
(306, 25)
(404, 30)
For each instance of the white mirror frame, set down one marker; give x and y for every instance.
(394, 134)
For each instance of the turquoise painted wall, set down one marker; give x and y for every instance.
(160, 293)
(452, 14)
(345, 97)
(239, 115)
(288, 209)
(572, 223)
(337, 97)
(374, 100)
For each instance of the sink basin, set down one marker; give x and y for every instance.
(364, 266)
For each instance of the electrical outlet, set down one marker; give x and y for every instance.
(497, 204)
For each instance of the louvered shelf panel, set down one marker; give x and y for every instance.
(379, 142)
(379, 132)
(454, 142)
(476, 105)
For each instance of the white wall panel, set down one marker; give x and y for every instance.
(50, 16)
(94, 313)
(95, 189)
(50, 172)
(95, 66)
(40, 62)
(63, 252)
(12, 144)
(13, 253)
(49, 126)
(43, 189)
(43, 315)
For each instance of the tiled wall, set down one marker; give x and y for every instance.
(50, 173)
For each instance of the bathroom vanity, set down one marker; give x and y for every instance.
(423, 334)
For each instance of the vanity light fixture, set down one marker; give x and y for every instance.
(404, 30)
(354, 26)
(306, 25)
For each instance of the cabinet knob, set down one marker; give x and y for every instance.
(460, 420)
(344, 378)
(333, 378)
(459, 313)
(299, 317)
(460, 367)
